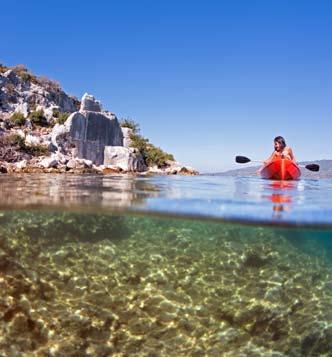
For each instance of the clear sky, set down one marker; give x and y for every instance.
(206, 80)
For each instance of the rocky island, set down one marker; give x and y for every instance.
(43, 129)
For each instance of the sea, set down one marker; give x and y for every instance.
(106, 265)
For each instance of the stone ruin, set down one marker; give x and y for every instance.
(96, 135)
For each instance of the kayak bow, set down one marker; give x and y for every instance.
(281, 169)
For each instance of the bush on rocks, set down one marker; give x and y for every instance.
(13, 149)
(60, 117)
(152, 155)
(36, 150)
(22, 71)
(129, 123)
(17, 119)
(37, 117)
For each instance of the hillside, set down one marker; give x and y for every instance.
(42, 128)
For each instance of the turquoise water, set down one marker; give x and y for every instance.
(189, 266)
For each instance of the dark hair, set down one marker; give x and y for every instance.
(280, 140)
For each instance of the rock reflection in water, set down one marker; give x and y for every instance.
(225, 198)
(72, 190)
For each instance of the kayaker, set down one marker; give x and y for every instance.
(281, 150)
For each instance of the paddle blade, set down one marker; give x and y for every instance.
(242, 159)
(312, 167)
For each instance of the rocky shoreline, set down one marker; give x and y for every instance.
(42, 129)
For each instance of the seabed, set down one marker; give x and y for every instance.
(76, 284)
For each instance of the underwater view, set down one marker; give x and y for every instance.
(149, 266)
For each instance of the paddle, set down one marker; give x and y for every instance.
(244, 160)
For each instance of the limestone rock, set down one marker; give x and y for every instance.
(175, 168)
(48, 162)
(74, 164)
(58, 136)
(155, 170)
(85, 135)
(23, 108)
(23, 95)
(48, 112)
(32, 140)
(127, 132)
(125, 158)
(79, 164)
(11, 77)
(89, 103)
(61, 158)
(21, 164)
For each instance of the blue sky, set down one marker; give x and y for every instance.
(206, 80)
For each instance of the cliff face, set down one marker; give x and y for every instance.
(22, 92)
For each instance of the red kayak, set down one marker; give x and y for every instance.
(281, 169)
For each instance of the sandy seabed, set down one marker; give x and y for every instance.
(101, 285)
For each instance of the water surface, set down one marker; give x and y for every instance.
(247, 199)
(193, 266)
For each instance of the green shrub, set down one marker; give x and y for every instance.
(36, 150)
(25, 76)
(62, 117)
(156, 156)
(56, 113)
(152, 155)
(19, 142)
(13, 140)
(139, 142)
(129, 123)
(17, 119)
(37, 118)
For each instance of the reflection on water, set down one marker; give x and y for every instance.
(72, 190)
(281, 200)
(227, 198)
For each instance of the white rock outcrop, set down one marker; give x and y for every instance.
(48, 162)
(17, 93)
(125, 158)
(89, 103)
(127, 132)
(86, 133)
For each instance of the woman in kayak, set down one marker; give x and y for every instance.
(281, 150)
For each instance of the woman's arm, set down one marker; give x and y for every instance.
(269, 159)
(266, 162)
